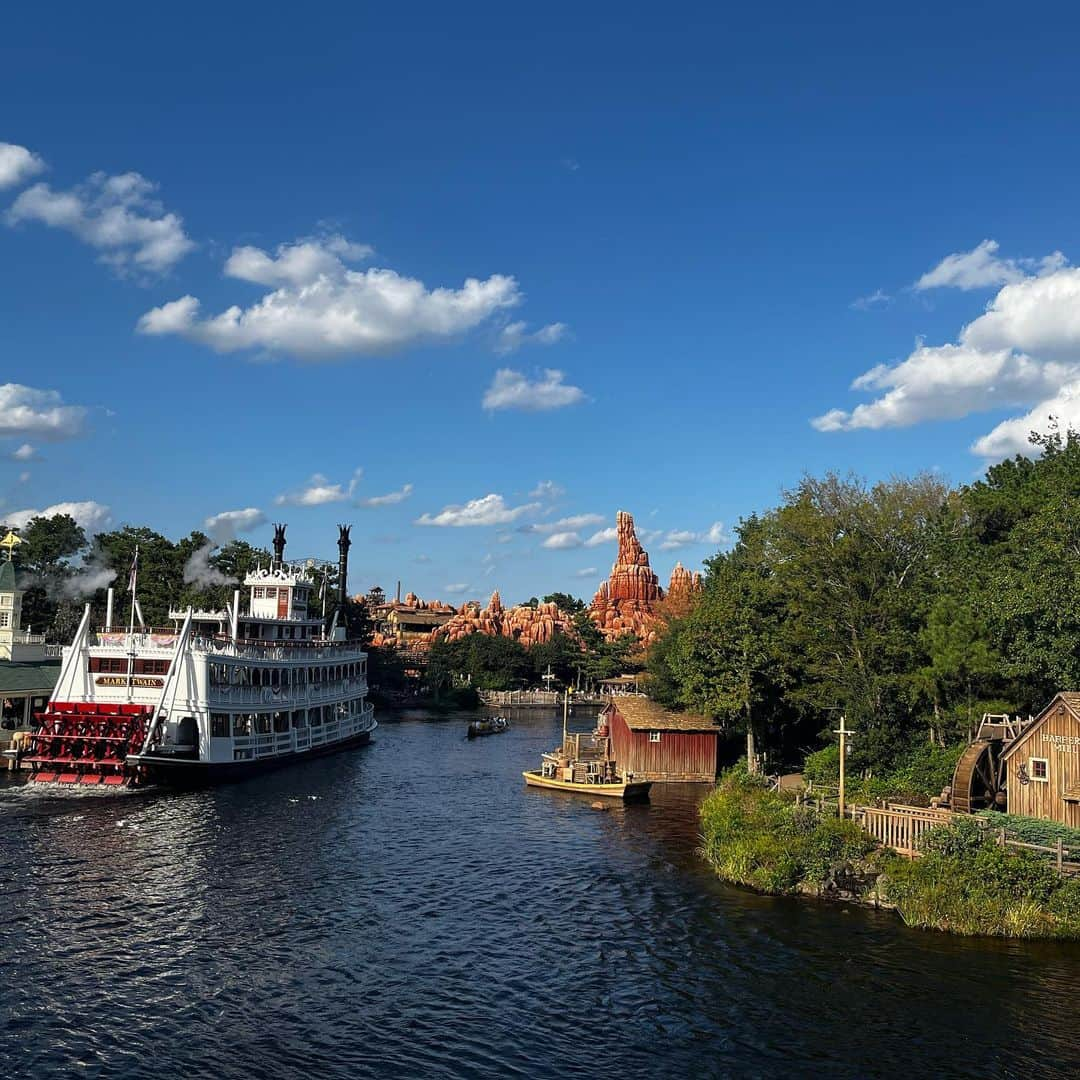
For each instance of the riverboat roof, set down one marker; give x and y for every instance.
(17, 677)
(643, 714)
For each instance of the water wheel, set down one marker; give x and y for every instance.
(979, 779)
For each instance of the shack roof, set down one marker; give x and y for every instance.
(643, 714)
(20, 678)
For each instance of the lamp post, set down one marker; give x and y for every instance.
(843, 731)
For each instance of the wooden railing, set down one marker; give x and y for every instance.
(899, 827)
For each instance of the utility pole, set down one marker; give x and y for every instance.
(843, 731)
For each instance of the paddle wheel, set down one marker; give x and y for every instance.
(87, 743)
(979, 779)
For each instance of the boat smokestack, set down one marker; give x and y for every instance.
(279, 547)
(234, 615)
(397, 598)
(343, 545)
(109, 607)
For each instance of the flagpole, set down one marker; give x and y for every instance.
(132, 581)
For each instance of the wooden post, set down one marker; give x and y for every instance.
(1060, 854)
(843, 732)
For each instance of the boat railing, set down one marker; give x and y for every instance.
(149, 639)
(286, 695)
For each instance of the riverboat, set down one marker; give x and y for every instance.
(495, 725)
(585, 765)
(219, 695)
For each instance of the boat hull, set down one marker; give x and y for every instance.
(628, 792)
(178, 773)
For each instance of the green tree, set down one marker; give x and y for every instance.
(44, 561)
(565, 602)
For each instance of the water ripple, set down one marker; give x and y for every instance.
(411, 909)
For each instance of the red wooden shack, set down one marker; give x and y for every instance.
(655, 744)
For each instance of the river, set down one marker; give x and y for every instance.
(410, 909)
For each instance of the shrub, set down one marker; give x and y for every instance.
(1033, 830)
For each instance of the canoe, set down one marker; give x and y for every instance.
(634, 789)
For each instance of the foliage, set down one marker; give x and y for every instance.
(565, 602)
(907, 607)
(1034, 830)
(963, 883)
(966, 884)
(483, 661)
(917, 774)
(763, 839)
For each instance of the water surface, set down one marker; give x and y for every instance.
(411, 909)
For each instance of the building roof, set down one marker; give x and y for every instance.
(643, 714)
(18, 678)
(1069, 698)
(7, 576)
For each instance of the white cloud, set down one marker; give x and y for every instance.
(981, 268)
(17, 165)
(234, 521)
(489, 510)
(391, 498)
(575, 521)
(457, 588)
(877, 299)
(604, 536)
(562, 541)
(946, 382)
(24, 453)
(547, 489)
(513, 336)
(91, 515)
(296, 264)
(513, 390)
(117, 215)
(680, 538)
(1023, 350)
(588, 571)
(320, 309)
(1013, 436)
(319, 490)
(25, 410)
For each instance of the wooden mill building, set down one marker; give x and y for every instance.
(655, 744)
(1042, 766)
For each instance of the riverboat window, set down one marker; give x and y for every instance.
(5, 619)
(241, 724)
(281, 721)
(109, 664)
(151, 667)
(262, 723)
(219, 725)
(1039, 769)
(654, 736)
(258, 592)
(299, 718)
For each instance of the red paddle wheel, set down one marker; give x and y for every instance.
(87, 743)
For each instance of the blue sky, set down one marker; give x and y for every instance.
(709, 223)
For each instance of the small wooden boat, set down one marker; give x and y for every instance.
(585, 765)
(492, 726)
(628, 790)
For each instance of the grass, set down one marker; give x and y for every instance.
(963, 883)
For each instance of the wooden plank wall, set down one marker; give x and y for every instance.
(1058, 741)
(679, 755)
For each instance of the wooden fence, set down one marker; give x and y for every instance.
(899, 827)
(903, 827)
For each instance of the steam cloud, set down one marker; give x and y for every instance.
(222, 529)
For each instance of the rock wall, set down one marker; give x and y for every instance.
(527, 625)
(627, 602)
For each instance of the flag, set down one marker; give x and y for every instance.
(134, 571)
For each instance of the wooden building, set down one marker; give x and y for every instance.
(1042, 767)
(655, 744)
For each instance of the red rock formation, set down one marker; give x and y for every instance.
(626, 602)
(682, 589)
(528, 625)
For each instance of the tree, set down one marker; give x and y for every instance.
(565, 602)
(44, 563)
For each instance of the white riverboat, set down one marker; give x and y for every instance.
(217, 695)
